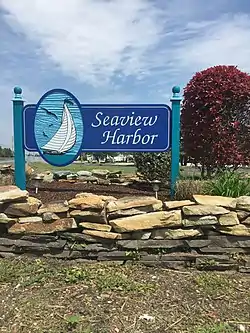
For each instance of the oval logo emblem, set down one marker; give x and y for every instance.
(58, 127)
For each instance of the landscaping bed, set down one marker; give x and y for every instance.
(66, 190)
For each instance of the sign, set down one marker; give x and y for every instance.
(59, 128)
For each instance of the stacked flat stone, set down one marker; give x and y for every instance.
(99, 227)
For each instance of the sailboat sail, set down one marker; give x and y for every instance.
(65, 138)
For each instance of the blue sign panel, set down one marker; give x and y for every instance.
(59, 128)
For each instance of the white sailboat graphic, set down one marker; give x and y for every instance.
(65, 137)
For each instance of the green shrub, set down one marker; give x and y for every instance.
(229, 184)
(154, 166)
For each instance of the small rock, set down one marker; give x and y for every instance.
(242, 215)
(200, 210)
(244, 269)
(61, 174)
(175, 233)
(135, 211)
(103, 197)
(246, 221)
(151, 244)
(103, 181)
(242, 328)
(96, 226)
(141, 235)
(133, 202)
(117, 180)
(38, 176)
(112, 256)
(106, 235)
(115, 174)
(48, 177)
(30, 207)
(72, 176)
(237, 230)
(177, 204)
(91, 180)
(48, 217)
(79, 238)
(54, 207)
(4, 219)
(199, 220)
(84, 173)
(31, 219)
(43, 228)
(86, 201)
(147, 221)
(100, 173)
(126, 183)
(229, 219)
(12, 193)
(89, 216)
(5, 168)
(28, 170)
(243, 203)
(212, 200)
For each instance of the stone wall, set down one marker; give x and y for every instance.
(206, 233)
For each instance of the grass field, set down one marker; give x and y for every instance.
(42, 167)
(185, 172)
(55, 297)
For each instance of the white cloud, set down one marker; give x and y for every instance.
(221, 42)
(96, 41)
(108, 42)
(90, 39)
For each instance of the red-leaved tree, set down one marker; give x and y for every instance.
(215, 118)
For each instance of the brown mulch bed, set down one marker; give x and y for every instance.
(66, 190)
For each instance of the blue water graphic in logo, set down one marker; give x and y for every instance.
(59, 127)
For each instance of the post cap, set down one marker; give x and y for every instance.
(17, 91)
(176, 90)
(176, 94)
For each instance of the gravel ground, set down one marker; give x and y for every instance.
(55, 297)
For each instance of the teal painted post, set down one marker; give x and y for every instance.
(175, 138)
(19, 152)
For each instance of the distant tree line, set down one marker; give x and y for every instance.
(5, 152)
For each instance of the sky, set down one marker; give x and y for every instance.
(115, 51)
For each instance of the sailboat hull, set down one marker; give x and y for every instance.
(52, 152)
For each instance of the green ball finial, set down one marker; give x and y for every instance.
(17, 91)
(176, 90)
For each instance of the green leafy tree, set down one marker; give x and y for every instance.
(153, 166)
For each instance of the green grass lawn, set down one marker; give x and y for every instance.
(42, 167)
